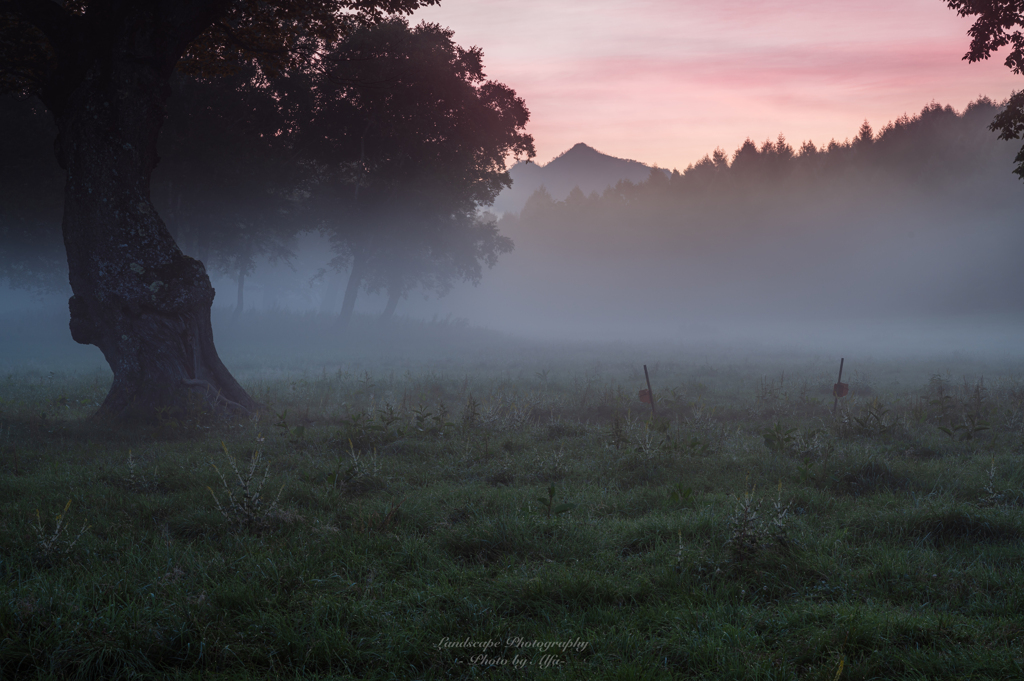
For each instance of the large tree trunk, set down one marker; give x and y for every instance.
(142, 302)
(244, 264)
(348, 303)
(330, 299)
(241, 291)
(394, 295)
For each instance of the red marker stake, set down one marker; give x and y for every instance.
(650, 393)
(836, 389)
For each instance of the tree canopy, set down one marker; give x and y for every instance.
(391, 145)
(228, 175)
(424, 145)
(47, 47)
(103, 69)
(997, 25)
(919, 216)
(31, 192)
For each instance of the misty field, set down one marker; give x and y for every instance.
(449, 503)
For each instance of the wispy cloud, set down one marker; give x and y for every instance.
(666, 81)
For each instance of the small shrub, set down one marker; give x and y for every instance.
(52, 546)
(875, 420)
(967, 428)
(991, 496)
(617, 436)
(137, 481)
(549, 504)
(751, 532)
(707, 436)
(779, 439)
(355, 472)
(244, 508)
(470, 413)
(133, 480)
(681, 496)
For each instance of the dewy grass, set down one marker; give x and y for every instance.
(393, 537)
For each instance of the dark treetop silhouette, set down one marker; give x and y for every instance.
(228, 174)
(428, 140)
(997, 25)
(31, 188)
(103, 67)
(918, 221)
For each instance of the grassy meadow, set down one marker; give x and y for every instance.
(432, 501)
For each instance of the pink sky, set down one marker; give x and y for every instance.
(667, 81)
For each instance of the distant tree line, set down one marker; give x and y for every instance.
(936, 155)
(890, 212)
(936, 148)
(390, 147)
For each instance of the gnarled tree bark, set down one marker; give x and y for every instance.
(394, 295)
(137, 297)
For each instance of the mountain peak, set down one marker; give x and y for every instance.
(580, 166)
(579, 148)
(578, 151)
(586, 154)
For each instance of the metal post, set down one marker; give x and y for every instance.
(835, 390)
(650, 393)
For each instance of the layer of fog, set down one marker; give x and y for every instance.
(927, 280)
(929, 271)
(899, 276)
(907, 242)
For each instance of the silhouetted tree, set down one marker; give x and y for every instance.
(746, 160)
(399, 199)
(103, 68)
(433, 257)
(998, 24)
(228, 173)
(31, 193)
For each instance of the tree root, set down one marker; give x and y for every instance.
(217, 397)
